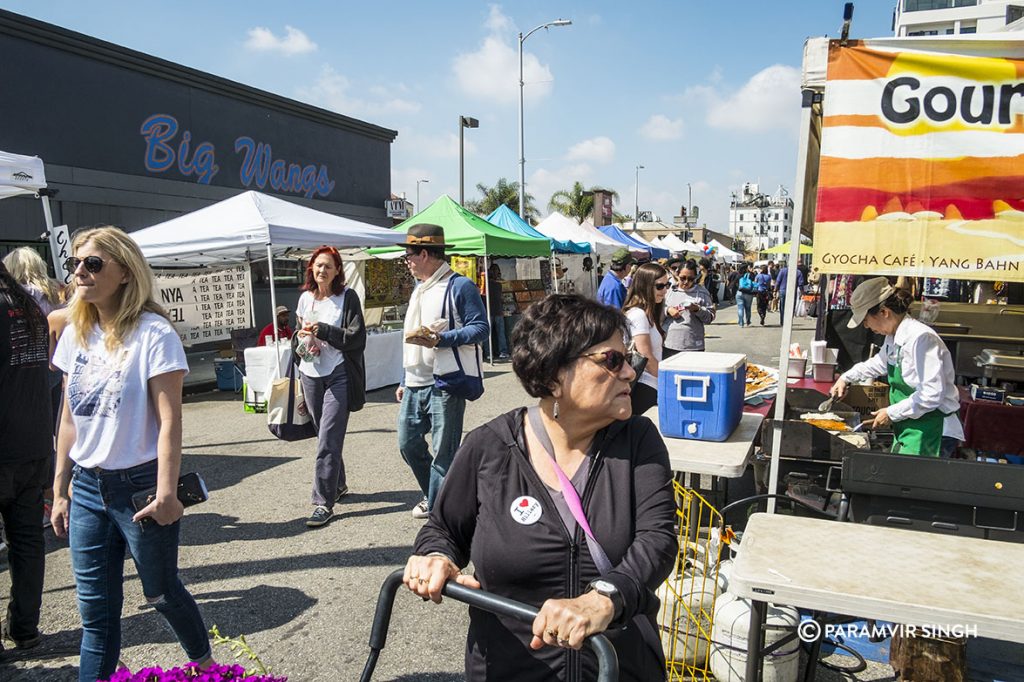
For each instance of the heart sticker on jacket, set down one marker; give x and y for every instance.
(526, 510)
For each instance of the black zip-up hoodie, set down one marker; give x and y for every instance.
(629, 504)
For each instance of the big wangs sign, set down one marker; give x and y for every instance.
(922, 165)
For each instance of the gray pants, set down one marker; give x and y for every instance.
(327, 402)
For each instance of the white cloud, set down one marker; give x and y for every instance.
(543, 182)
(769, 100)
(404, 180)
(661, 127)
(597, 149)
(492, 71)
(293, 42)
(440, 146)
(332, 91)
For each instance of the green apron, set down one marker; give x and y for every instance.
(921, 436)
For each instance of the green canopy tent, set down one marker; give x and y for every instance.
(472, 236)
(784, 248)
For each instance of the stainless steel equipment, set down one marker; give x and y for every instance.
(998, 366)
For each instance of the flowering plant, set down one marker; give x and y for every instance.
(190, 672)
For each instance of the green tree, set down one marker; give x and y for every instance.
(577, 202)
(621, 218)
(504, 192)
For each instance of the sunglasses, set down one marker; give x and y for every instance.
(611, 360)
(661, 286)
(93, 264)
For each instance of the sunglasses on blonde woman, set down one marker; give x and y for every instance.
(611, 360)
(93, 264)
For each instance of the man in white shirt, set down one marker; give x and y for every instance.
(434, 347)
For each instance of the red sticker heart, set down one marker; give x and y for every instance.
(524, 503)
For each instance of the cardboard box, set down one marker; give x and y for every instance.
(990, 393)
(867, 399)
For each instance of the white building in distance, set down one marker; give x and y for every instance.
(949, 17)
(760, 221)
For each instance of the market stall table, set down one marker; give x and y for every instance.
(876, 572)
(726, 459)
(991, 427)
(383, 357)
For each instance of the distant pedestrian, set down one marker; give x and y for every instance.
(763, 291)
(612, 291)
(430, 349)
(329, 350)
(745, 292)
(120, 435)
(26, 430)
(689, 308)
(284, 332)
(781, 282)
(645, 310)
(497, 309)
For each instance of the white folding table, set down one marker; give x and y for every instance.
(891, 574)
(725, 459)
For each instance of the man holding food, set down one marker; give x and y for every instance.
(444, 325)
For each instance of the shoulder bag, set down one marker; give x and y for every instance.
(287, 416)
(458, 383)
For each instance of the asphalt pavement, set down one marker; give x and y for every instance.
(304, 599)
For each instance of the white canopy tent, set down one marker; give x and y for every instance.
(558, 226)
(21, 174)
(725, 253)
(673, 243)
(250, 227)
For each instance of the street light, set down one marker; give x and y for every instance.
(464, 122)
(636, 198)
(418, 194)
(522, 153)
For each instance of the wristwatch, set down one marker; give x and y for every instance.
(603, 587)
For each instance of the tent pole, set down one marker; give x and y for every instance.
(252, 299)
(487, 292)
(52, 237)
(806, 112)
(554, 271)
(273, 299)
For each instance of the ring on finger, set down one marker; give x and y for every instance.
(552, 633)
(422, 581)
(562, 642)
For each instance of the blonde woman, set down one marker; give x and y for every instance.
(29, 269)
(120, 434)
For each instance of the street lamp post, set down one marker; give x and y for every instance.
(418, 194)
(522, 153)
(636, 198)
(464, 122)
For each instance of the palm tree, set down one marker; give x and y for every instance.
(577, 202)
(504, 192)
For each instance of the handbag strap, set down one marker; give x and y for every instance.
(290, 373)
(572, 498)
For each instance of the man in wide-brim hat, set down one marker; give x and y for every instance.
(431, 342)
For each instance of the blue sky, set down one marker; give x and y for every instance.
(696, 91)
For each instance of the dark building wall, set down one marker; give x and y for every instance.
(132, 140)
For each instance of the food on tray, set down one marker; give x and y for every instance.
(825, 420)
(758, 379)
(808, 416)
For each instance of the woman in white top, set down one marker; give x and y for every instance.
(29, 269)
(645, 310)
(330, 321)
(923, 398)
(120, 435)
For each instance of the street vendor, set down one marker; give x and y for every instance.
(923, 398)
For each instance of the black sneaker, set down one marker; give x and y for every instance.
(342, 492)
(27, 643)
(321, 517)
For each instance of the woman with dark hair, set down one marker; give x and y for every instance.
(745, 291)
(120, 435)
(645, 310)
(26, 431)
(566, 504)
(923, 398)
(329, 350)
(689, 309)
(763, 291)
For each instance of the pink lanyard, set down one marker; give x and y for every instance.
(572, 498)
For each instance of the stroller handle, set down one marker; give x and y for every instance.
(607, 661)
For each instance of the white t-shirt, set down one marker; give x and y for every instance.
(330, 311)
(431, 304)
(639, 324)
(108, 392)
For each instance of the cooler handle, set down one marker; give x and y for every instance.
(702, 398)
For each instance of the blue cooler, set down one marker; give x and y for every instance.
(700, 395)
(227, 378)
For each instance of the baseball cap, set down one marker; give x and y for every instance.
(280, 309)
(621, 258)
(866, 296)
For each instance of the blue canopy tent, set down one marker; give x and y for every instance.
(632, 242)
(507, 219)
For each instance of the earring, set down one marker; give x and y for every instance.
(554, 410)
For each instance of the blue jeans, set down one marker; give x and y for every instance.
(427, 409)
(743, 305)
(100, 530)
(497, 332)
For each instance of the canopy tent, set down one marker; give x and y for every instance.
(558, 226)
(633, 242)
(674, 243)
(247, 227)
(724, 252)
(21, 174)
(785, 248)
(507, 219)
(471, 234)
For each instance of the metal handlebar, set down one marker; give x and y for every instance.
(607, 661)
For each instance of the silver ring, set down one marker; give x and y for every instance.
(562, 642)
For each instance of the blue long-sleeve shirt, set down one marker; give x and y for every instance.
(469, 312)
(780, 281)
(611, 292)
